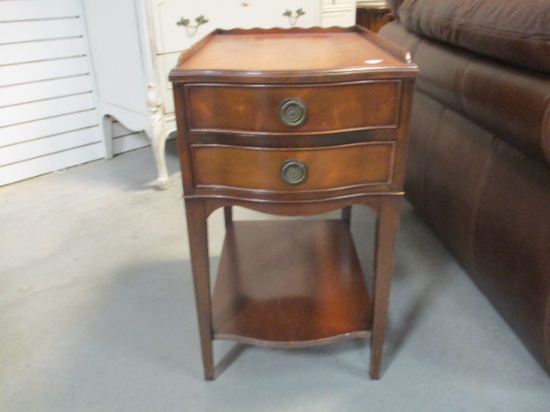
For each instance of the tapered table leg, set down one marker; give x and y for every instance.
(198, 242)
(228, 215)
(346, 215)
(386, 233)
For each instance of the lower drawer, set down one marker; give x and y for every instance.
(301, 169)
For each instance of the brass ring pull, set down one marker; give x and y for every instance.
(293, 171)
(292, 112)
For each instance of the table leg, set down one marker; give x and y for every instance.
(228, 215)
(386, 233)
(346, 215)
(198, 242)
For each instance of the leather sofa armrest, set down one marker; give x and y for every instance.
(516, 32)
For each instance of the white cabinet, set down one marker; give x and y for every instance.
(338, 13)
(135, 43)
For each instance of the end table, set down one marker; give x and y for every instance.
(292, 122)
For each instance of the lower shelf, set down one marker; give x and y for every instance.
(290, 283)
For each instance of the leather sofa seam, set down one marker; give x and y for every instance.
(546, 333)
(545, 142)
(461, 91)
(440, 20)
(495, 144)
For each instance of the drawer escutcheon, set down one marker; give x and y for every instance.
(293, 171)
(292, 112)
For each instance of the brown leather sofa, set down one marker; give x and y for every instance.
(479, 160)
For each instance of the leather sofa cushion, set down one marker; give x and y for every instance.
(511, 103)
(517, 32)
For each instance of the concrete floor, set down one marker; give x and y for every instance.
(97, 314)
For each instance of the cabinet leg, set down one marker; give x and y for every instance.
(386, 233)
(198, 242)
(159, 151)
(157, 133)
(107, 124)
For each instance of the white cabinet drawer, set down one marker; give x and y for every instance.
(326, 3)
(338, 13)
(169, 37)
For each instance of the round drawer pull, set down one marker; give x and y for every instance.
(293, 171)
(292, 112)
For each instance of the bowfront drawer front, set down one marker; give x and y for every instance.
(295, 109)
(293, 170)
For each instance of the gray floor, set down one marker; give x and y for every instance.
(97, 314)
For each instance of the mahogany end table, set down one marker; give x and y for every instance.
(292, 122)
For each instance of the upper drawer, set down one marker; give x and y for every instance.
(283, 109)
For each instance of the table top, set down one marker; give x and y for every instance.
(291, 51)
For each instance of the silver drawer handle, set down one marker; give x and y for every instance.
(293, 171)
(292, 112)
